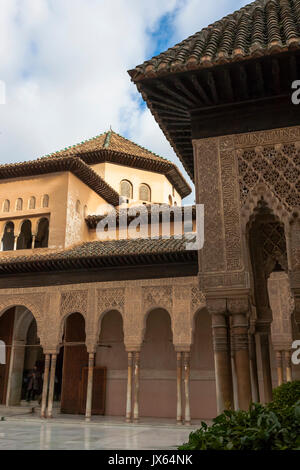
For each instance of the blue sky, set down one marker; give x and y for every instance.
(65, 62)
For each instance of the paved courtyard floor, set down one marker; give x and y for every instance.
(22, 434)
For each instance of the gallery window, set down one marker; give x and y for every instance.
(45, 201)
(145, 193)
(6, 205)
(32, 202)
(19, 204)
(126, 189)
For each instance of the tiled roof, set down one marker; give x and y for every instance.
(108, 141)
(99, 253)
(110, 146)
(67, 163)
(260, 28)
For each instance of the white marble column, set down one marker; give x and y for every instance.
(129, 389)
(45, 386)
(279, 366)
(136, 387)
(51, 386)
(179, 382)
(186, 366)
(288, 365)
(90, 381)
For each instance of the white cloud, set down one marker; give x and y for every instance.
(65, 66)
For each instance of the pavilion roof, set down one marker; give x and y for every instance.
(263, 27)
(107, 147)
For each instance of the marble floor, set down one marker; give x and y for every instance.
(37, 435)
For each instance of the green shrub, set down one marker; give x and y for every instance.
(286, 395)
(260, 428)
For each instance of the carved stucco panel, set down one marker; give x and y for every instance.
(209, 193)
(74, 301)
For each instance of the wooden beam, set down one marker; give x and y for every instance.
(276, 76)
(259, 79)
(161, 97)
(202, 93)
(243, 81)
(212, 85)
(226, 77)
(186, 101)
(181, 86)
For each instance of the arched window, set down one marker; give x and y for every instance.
(32, 202)
(45, 201)
(41, 240)
(19, 204)
(126, 189)
(8, 240)
(170, 200)
(85, 211)
(78, 207)
(6, 205)
(25, 237)
(144, 193)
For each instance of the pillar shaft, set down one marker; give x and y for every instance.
(279, 366)
(136, 387)
(288, 365)
(253, 368)
(45, 386)
(186, 366)
(89, 394)
(129, 389)
(224, 387)
(51, 386)
(266, 367)
(241, 359)
(179, 381)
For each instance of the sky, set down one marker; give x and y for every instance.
(64, 64)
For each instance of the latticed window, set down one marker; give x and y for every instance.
(45, 200)
(126, 189)
(6, 206)
(19, 204)
(32, 202)
(78, 206)
(145, 193)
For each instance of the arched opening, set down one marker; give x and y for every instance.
(145, 193)
(267, 248)
(202, 388)
(111, 355)
(6, 205)
(8, 240)
(21, 378)
(71, 364)
(19, 204)
(126, 189)
(170, 200)
(25, 237)
(42, 237)
(158, 368)
(32, 203)
(45, 201)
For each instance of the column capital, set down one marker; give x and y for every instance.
(238, 306)
(216, 306)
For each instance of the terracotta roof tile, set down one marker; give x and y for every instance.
(262, 27)
(98, 251)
